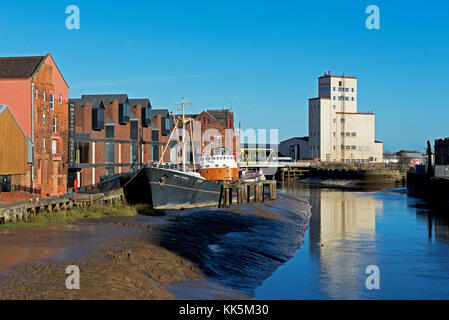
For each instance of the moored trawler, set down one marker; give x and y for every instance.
(219, 167)
(170, 189)
(165, 188)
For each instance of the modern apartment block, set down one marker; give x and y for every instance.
(337, 132)
(109, 134)
(37, 95)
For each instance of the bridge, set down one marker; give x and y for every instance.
(268, 160)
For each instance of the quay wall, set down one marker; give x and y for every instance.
(375, 175)
(433, 190)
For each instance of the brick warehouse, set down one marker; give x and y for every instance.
(211, 129)
(37, 94)
(217, 130)
(111, 133)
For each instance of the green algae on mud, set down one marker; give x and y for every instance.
(91, 212)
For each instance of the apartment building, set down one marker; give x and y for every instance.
(112, 134)
(37, 95)
(337, 131)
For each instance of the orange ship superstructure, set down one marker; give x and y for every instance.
(219, 167)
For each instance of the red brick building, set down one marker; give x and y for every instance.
(37, 94)
(111, 134)
(212, 129)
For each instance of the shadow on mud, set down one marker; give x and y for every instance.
(239, 249)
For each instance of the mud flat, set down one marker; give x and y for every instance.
(190, 254)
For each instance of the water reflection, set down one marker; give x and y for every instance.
(350, 230)
(340, 222)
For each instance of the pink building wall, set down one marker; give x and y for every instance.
(16, 94)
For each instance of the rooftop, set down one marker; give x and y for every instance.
(299, 138)
(19, 67)
(329, 75)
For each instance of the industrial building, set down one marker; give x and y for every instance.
(337, 131)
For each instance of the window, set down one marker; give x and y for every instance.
(134, 152)
(155, 135)
(54, 125)
(342, 134)
(43, 95)
(52, 101)
(352, 98)
(334, 120)
(82, 152)
(36, 94)
(348, 147)
(53, 147)
(353, 147)
(146, 117)
(60, 99)
(98, 118)
(335, 98)
(348, 134)
(134, 130)
(109, 132)
(352, 89)
(110, 171)
(123, 113)
(353, 134)
(43, 118)
(165, 130)
(109, 152)
(339, 83)
(154, 153)
(43, 143)
(334, 106)
(334, 88)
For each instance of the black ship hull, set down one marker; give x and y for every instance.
(171, 189)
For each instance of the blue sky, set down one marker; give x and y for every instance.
(262, 58)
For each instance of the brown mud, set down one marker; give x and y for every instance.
(186, 254)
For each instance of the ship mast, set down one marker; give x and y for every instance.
(184, 121)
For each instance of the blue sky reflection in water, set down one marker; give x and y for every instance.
(352, 230)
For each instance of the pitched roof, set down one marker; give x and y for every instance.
(106, 98)
(162, 112)
(77, 102)
(221, 115)
(296, 138)
(143, 102)
(19, 67)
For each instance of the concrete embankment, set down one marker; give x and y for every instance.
(144, 257)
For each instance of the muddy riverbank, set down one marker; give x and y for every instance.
(190, 254)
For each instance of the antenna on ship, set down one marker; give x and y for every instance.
(184, 121)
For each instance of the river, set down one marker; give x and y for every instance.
(313, 242)
(351, 230)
